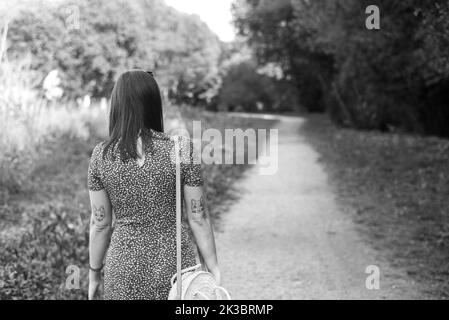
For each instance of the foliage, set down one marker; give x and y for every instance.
(246, 88)
(33, 266)
(395, 77)
(28, 121)
(145, 34)
(243, 87)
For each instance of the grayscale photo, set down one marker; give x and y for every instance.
(232, 150)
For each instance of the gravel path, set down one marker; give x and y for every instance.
(287, 238)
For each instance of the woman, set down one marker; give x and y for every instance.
(133, 176)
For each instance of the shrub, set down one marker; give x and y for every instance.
(33, 265)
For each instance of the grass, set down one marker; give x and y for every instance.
(396, 187)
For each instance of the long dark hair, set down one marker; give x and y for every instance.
(136, 107)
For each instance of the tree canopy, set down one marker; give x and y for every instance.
(114, 35)
(395, 77)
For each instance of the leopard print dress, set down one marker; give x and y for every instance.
(141, 257)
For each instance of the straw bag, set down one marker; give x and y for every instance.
(196, 283)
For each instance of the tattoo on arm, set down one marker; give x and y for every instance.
(99, 212)
(197, 207)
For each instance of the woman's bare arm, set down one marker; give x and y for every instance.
(99, 236)
(100, 227)
(201, 225)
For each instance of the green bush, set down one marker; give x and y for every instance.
(33, 264)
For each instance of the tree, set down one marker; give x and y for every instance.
(246, 88)
(114, 36)
(394, 77)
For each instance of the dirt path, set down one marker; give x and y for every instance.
(287, 238)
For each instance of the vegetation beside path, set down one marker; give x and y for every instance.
(395, 187)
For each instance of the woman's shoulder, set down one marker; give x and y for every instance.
(185, 142)
(97, 151)
(169, 138)
(190, 151)
(162, 136)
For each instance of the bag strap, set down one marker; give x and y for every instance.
(179, 222)
(178, 219)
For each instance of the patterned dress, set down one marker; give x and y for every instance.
(141, 257)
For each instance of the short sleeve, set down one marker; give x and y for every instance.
(190, 164)
(93, 175)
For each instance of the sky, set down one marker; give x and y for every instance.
(216, 13)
